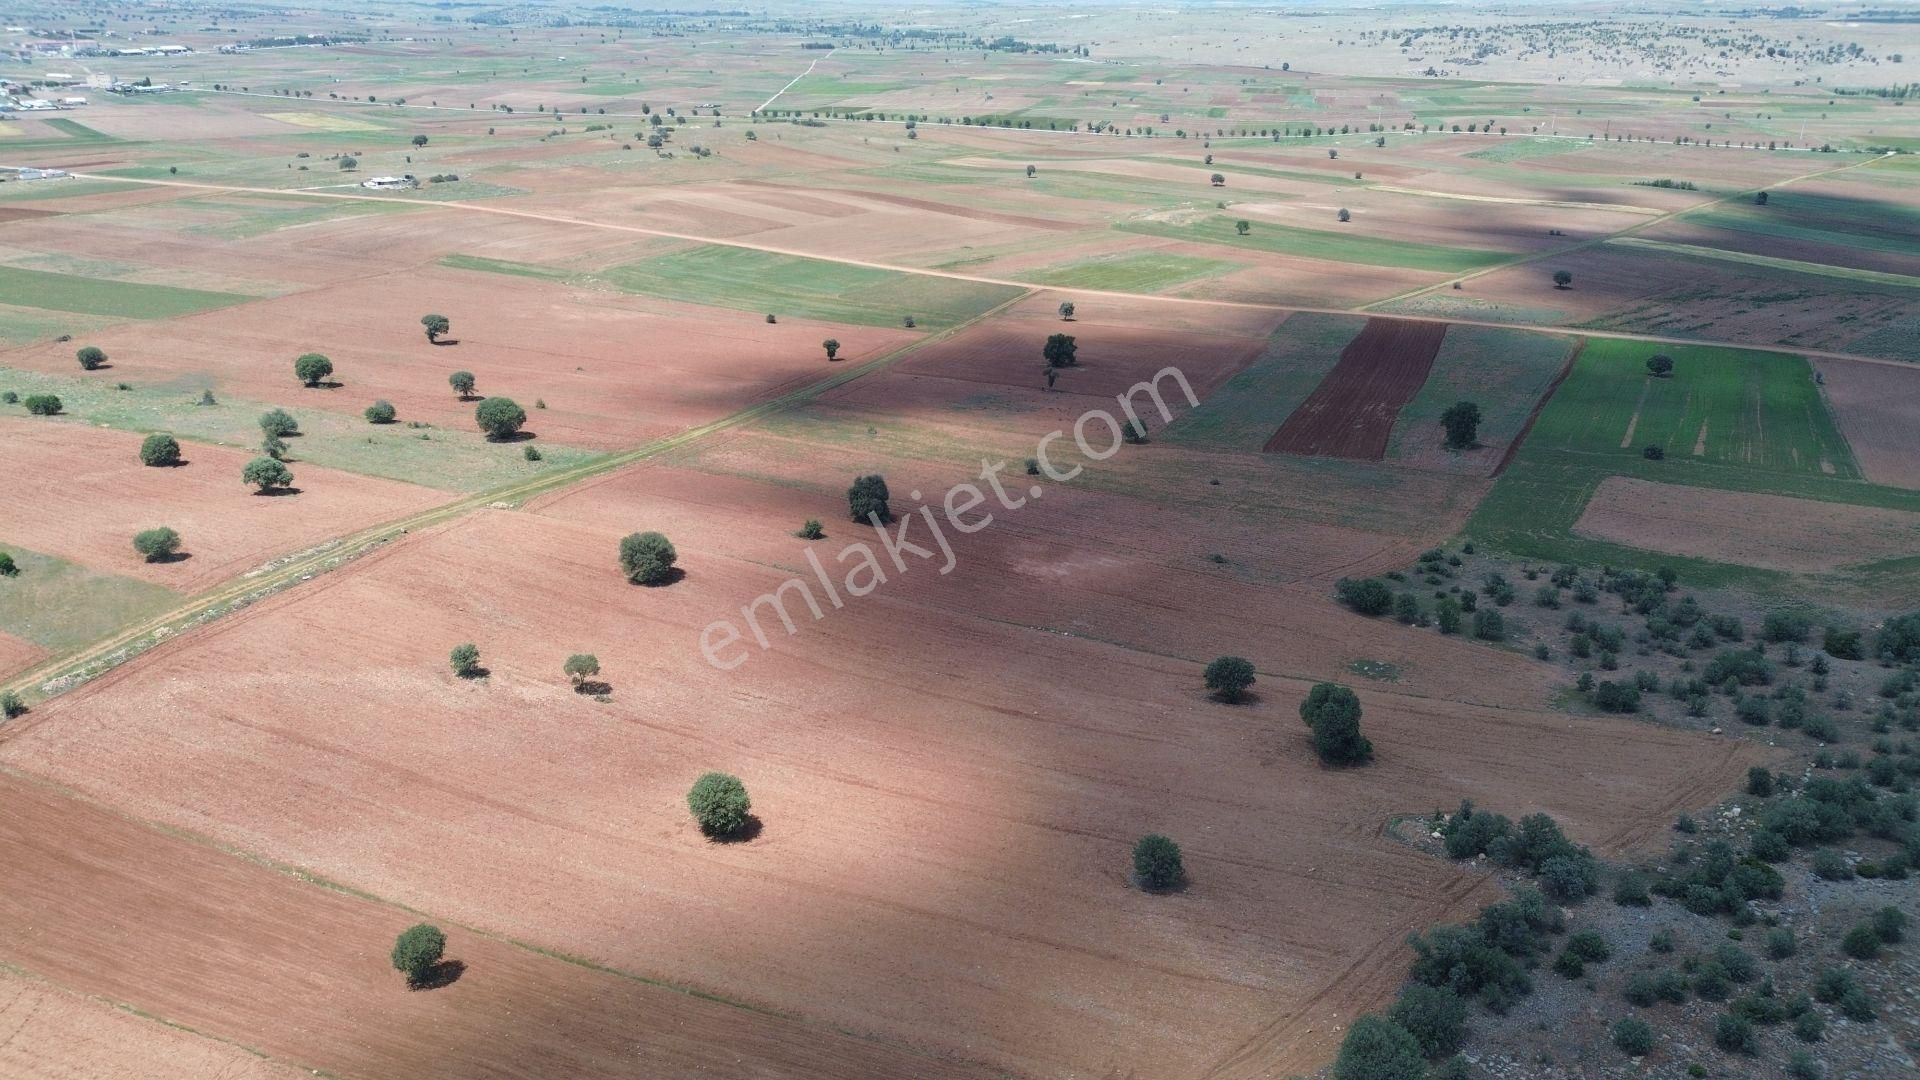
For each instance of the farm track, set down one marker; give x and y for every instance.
(1114, 294)
(66, 671)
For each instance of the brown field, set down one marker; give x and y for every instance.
(17, 654)
(1878, 407)
(1351, 413)
(88, 514)
(1775, 532)
(229, 953)
(1015, 724)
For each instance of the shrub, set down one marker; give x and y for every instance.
(580, 667)
(1660, 366)
(1488, 625)
(1616, 697)
(1367, 596)
(867, 499)
(1589, 946)
(1856, 1006)
(1890, 923)
(1734, 1035)
(1861, 943)
(43, 404)
(156, 544)
(311, 367)
(1633, 1036)
(1830, 865)
(91, 357)
(1780, 943)
(810, 530)
(1759, 782)
(1897, 643)
(1332, 712)
(462, 383)
(1462, 424)
(465, 660)
(1744, 666)
(1462, 959)
(1630, 890)
(417, 950)
(1446, 615)
(532, 453)
(1842, 644)
(1435, 1017)
(647, 558)
(1809, 1026)
(1785, 626)
(380, 412)
(1570, 877)
(1654, 452)
(719, 804)
(11, 705)
(159, 450)
(1229, 676)
(1378, 1049)
(265, 474)
(499, 417)
(1156, 862)
(1469, 832)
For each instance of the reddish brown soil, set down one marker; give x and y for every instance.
(22, 213)
(949, 773)
(90, 494)
(17, 654)
(238, 951)
(1772, 531)
(1878, 406)
(1351, 413)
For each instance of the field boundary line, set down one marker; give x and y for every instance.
(796, 79)
(1513, 448)
(69, 670)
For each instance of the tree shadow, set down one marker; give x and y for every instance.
(672, 575)
(446, 341)
(518, 436)
(477, 673)
(1173, 888)
(748, 830)
(326, 384)
(171, 557)
(275, 493)
(445, 973)
(592, 688)
(1244, 697)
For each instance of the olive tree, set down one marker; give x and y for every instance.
(311, 367)
(1332, 713)
(1156, 862)
(1462, 421)
(417, 951)
(1562, 279)
(279, 423)
(42, 404)
(1066, 310)
(91, 357)
(1378, 1049)
(265, 474)
(580, 667)
(436, 326)
(499, 417)
(1229, 676)
(647, 558)
(867, 499)
(465, 660)
(1660, 366)
(1059, 350)
(159, 450)
(380, 412)
(156, 545)
(462, 383)
(719, 804)
(1344, 214)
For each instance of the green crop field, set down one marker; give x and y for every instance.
(504, 266)
(1315, 244)
(1145, 271)
(95, 296)
(446, 459)
(59, 605)
(1502, 371)
(1792, 266)
(1245, 412)
(1520, 149)
(806, 288)
(35, 190)
(1789, 217)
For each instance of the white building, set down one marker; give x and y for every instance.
(390, 183)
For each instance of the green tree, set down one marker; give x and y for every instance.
(499, 417)
(1066, 310)
(580, 667)
(156, 545)
(465, 659)
(417, 951)
(437, 326)
(8, 567)
(1243, 226)
(11, 705)
(1368, 596)
(1156, 862)
(1462, 421)
(810, 530)
(42, 404)
(719, 804)
(647, 558)
(419, 140)
(867, 499)
(1633, 1037)
(1332, 713)
(91, 357)
(462, 383)
(1435, 1016)
(1861, 943)
(311, 367)
(380, 412)
(1562, 279)
(1217, 180)
(279, 423)
(1660, 366)
(832, 345)
(349, 163)
(1059, 350)
(265, 474)
(1378, 1049)
(1344, 214)
(159, 450)
(1229, 676)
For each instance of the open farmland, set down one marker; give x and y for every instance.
(725, 623)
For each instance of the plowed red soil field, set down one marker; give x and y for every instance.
(241, 953)
(1351, 413)
(17, 654)
(1878, 407)
(949, 775)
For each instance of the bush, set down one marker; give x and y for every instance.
(156, 544)
(1734, 1035)
(8, 567)
(499, 417)
(580, 667)
(1156, 862)
(1446, 615)
(1633, 1037)
(1759, 782)
(1654, 452)
(1744, 666)
(1435, 1017)
(265, 474)
(43, 404)
(462, 383)
(719, 804)
(1378, 1049)
(91, 357)
(1616, 697)
(417, 950)
(1842, 644)
(810, 530)
(867, 499)
(1861, 943)
(1462, 959)
(1589, 946)
(1897, 643)
(1469, 832)
(1780, 943)
(1890, 923)
(1630, 890)
(1830, 865)
(1332, 712)
(1809, 1026)
(1462, 424)
(1229, 676)
(647, 558)
(465, 660)
(1785, 626)
(279, 423)
(311, 367)
(159, 450)
(380, 412)
(11, 705)
(1570, 877)
(1488, 625)
(1367, 596)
